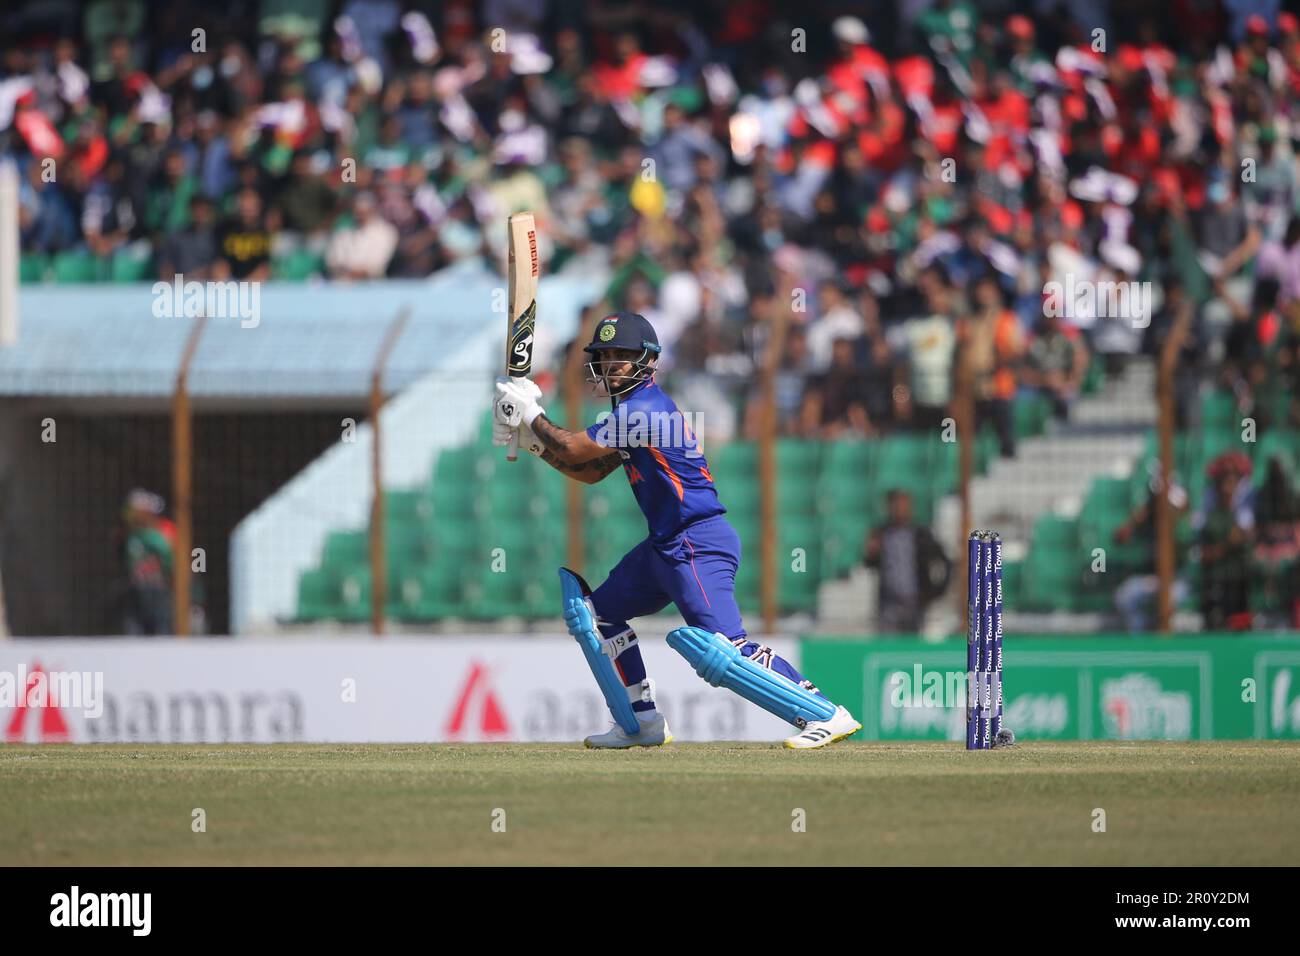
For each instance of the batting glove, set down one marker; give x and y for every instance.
(516, 401)
(528, 440)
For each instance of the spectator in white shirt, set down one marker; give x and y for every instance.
(839, 320)
(364, 250)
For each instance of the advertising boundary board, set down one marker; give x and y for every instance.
(1116, 687)
(347, 690)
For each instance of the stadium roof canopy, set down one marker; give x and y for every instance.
(309, 341)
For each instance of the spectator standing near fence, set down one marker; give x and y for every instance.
(1277, 546)
(1136, 595)
(1225, 528)
(913, 568)
(147, 553)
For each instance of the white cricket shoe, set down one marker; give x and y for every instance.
(654, 733)
(819, 733)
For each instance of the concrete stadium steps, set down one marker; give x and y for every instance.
(1129, 397)
(1052, 472)
(1048, 474)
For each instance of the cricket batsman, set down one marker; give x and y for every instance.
(689, 558)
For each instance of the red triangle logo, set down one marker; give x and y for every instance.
(53, 728)
(478, 713)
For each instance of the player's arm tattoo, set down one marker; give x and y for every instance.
(556, 439)
(574, 453)
(588, 472)
(569, 448)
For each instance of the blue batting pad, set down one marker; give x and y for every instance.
(582, 625)
(720, 663)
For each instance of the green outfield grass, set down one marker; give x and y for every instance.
(908, 804)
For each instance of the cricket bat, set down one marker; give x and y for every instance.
(522, 274)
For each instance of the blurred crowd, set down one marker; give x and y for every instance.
(1243, 563)
(897, 183)
(856, 194)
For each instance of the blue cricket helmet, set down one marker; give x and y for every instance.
(623, 330)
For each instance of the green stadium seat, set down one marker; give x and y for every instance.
(464, 466)
(429, 592)
(407, 506)
(945, 467)
(923, 503)
(1219, 408)
(621, 529)
(345, 550)
(407, 542)
(128, 266)
(850, 495)
(511, 497)
(297, 266)
(500, 594)
(553, 496)
(741, 495)
(749, 599)
(903, 462)
(799, 531)
(441, 536)
(519, 542)
(1094, 600)
(797, 591)
(77, 266)
(451, 501)
(609, 501)
(843, 538)
(318, 596)
(1055, 532)
(1214, 440)
(1279, 404)
(32, 267)
(796, 496)
(1275, 442)
(483, 435)
(734, 458)
(848, 459)
(799, 459)
(354, 588)
(1053, 579)
(1107, 506)
(457, 534)
(1030, 414)
(986, 450)
(1095, 376)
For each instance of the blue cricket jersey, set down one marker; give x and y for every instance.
(662, 458)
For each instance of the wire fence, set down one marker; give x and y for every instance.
(212, 513)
